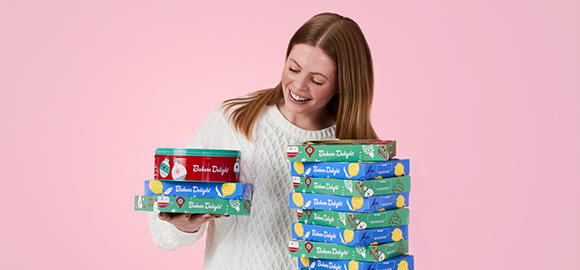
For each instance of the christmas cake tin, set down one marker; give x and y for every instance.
(402, 262)
(342, 150)
(193, 205)
(357, 238)
(347, 203)
(345, 187)
(354, 221)
(197, 164)
(351, 170)
(322, 250)
(225, 190)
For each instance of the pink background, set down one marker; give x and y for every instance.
(482, 96)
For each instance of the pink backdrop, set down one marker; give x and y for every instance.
(483, 97)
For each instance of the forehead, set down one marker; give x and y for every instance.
(312, 59)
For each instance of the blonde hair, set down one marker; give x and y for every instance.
(343, 41)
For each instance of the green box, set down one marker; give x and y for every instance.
(322, 250)
(345, 187)
(354, 221)
(193, 205)
(342, 150)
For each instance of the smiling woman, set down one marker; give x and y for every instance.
(325, 92)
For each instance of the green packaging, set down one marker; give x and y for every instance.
(354, 221)
(345, 187)
(322, 250)
(193, 205)
(342, 151)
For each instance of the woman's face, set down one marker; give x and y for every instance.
(308, 83)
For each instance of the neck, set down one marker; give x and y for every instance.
(314, 121)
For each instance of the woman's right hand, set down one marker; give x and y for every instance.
(189, 223)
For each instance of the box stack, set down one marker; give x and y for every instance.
(350, 198)
(196, 181)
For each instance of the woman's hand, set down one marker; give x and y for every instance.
(189, 223)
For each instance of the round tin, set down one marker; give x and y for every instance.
(197, 164)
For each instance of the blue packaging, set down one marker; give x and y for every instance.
(405, 262)
(317, 233)
(351, 170)
(348, 203)
(207, 189)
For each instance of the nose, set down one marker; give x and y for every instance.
(301, 81)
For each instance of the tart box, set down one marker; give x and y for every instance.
(342, 150)
(321, 250)
(197, 164)
(354, 221)
(347, 203)
(403, 262)
(351, 170)
(346, 187)
(309, 232)
(193, 205)
(206, 189)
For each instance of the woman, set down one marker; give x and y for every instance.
(325, 93)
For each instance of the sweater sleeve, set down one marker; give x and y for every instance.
(214, 133)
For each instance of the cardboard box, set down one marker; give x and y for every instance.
(193, 205)
(354, 221)
(351, 170)
(341, 252)
(342, 150)
(317, 233)
(403, 262)
(344, 187)
(347, 203)
(206, 189)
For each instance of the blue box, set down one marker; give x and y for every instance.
(347, 203)
(351, 170)
(206, 189)
(397, 263)
(309, 232)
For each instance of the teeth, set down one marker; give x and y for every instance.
(297, 97)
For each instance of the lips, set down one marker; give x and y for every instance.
(297, 97)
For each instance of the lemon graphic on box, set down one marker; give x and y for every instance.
(297, 199)
(348, 235)
(397, 234)
(156, 186)
(400, 201)
(298, 229)
(353, 265)
(357, 202)
(305, 261)
(228, 189)
(403, 265)
(299, 167)
(353, 169)
(399, 169)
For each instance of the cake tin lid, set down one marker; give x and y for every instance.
(197, 152)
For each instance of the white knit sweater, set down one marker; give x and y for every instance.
(258, 241)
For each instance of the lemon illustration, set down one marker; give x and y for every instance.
(297, 199)
(403, 265)
(399, 169)
(305, 261)
(298, 229)
(348, 235)
(353, 169)
(353, 265)
(400, 201)
(357, 202)
(156, 186)
(228, 189)
(397, 235)
(299, 167)
(379, 177)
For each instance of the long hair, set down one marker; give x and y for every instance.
(343, 41)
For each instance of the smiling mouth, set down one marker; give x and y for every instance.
(297, 97)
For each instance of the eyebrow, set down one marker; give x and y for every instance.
(317, 73)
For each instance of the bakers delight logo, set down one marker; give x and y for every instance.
(213, 169)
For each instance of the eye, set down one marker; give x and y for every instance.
(315, 82)
(292, 70)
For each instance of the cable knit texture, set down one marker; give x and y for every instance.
(258, 241)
